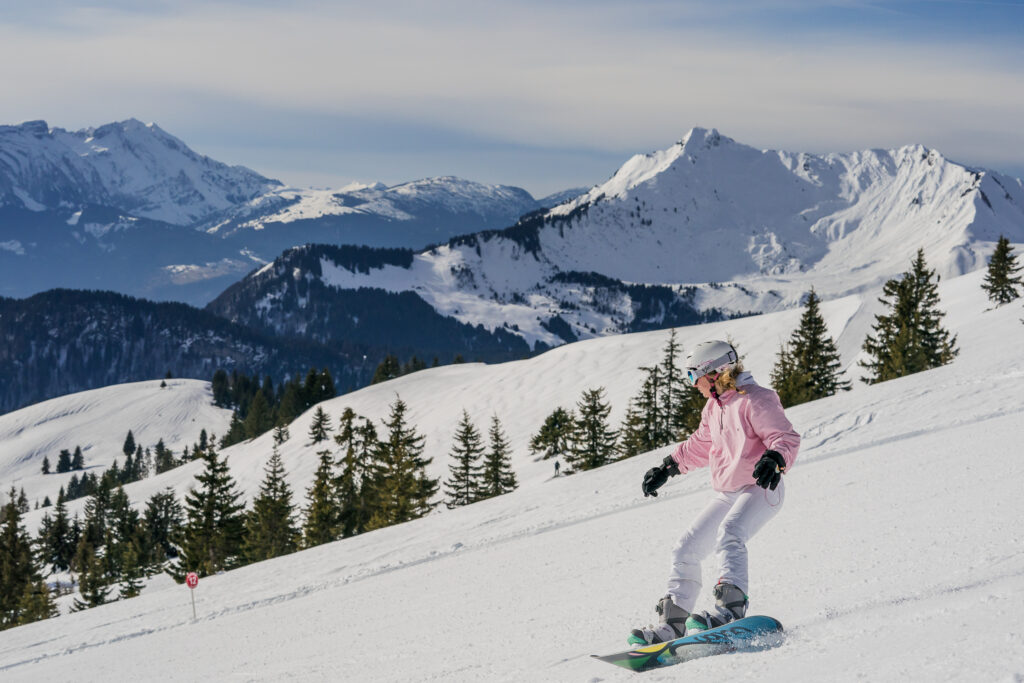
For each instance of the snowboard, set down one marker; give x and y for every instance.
(749, 634)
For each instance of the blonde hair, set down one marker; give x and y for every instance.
(726, 380)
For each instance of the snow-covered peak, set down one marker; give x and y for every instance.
(132, 166)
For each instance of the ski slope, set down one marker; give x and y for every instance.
(898, 554)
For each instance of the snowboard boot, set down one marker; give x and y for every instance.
(730, 604)
(671, 626)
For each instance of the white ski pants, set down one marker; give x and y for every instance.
(724, 526)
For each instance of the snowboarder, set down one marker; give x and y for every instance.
(557, 465)
(747, 441)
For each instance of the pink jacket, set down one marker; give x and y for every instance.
(733, 436)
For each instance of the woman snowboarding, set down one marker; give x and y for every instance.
(747, 441)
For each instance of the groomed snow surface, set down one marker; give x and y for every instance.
(898, 554)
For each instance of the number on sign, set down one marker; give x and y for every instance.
(192, 579)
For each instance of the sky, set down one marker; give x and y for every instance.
(542, 95)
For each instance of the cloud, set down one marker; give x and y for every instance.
(600, 75)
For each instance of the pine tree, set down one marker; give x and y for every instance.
(281, 433)
(464, 483)
(58, 543)
(671, 395)
(270, 529)
(791, 380)
(593, 440)
(809, 367)
(78, 460)
(323, 513)
(36, 603)
(93, 585)
(129, 444)
(17, 563)
(910, 338)
(320, 427)
(1001, 280)
(555, 435)
(236, 430)
(260, 418)
(131, 573)
(163, 458)
(212, 537)
(642, 428)
(64, 461)
(163, 523)
(353, 486)
(389, 368)
(402, 490)
(497, 477)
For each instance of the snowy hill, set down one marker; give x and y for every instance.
(898, 553)
(713, 224)
(98, 421)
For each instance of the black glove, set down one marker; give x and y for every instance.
(657, 476)
(768, 470)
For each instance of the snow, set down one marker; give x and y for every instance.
(98, 421)
(749, 229)
(898, 555)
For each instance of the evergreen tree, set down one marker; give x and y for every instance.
(498, 477)
(293, 403)
(46, 465)
(221, 386)
(129, 444)
(402, 490)
(93, 585)
(281, 433)
(59, 542)
(644, 428)
(64, 461)
(320, 427)
(389, 368)
(464, 483)
(260, 418)
(357, 444)
(809, 367)
(212, 537)
(910, 337)
(78, 460)
(1001, 280)
(670, 397)
(162, 521)
(36, 603)
(270, 529)
(555, 435)
(323, 513)
(791, 381)
(17, 563)
(594, 441)
(131, 573)
(236, 430)
(163, 458)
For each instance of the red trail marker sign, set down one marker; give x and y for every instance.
(192, 580)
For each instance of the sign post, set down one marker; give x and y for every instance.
(192, 580)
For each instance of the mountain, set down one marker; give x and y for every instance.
(297, 296)
(705, 229)
(128, 207)
(66, 341)
(899, 535)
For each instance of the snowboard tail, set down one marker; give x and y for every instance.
(749, 634)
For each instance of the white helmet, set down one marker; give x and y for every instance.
(708, 357)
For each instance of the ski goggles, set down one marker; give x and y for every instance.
(709, 366)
